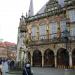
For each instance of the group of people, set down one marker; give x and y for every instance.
(4, 67)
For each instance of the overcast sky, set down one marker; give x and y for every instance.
(10, 13)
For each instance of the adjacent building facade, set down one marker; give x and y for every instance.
(50, 35)
(8, 50)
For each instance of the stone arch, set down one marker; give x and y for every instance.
(37, 58)
(49, 58)
(62, 57)
(73, 57)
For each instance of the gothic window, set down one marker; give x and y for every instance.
(72, 15)
(53, 29)
(42, 31)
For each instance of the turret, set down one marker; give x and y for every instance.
(23, 25)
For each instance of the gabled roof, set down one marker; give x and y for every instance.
(42, 9)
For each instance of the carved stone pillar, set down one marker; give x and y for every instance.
(31, 60)
(70, 59)
(55, 58)
(42, 60)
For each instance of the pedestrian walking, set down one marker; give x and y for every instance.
(0, 67)
(12, 64)
(5, 69)
(27, 69)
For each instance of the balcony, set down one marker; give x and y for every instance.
(53, 40)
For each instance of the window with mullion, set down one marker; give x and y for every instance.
(72, 15)
(42, 32)
(53, 30)
(63, 27)
(33, 32)
(72, 33)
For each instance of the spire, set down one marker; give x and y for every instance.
(31, 12)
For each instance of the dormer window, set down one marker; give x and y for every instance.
(69, 2)
(52, 5)
(48, 9)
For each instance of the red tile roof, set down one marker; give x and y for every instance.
(5, 44)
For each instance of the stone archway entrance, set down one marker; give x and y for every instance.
(73, 57)
(37, 58)
(63, 57)
(49, 58)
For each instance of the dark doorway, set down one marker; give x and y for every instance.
(49, 58)
(63, 57)
(37, 58)
(73, 57)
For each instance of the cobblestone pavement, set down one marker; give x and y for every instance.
(48, 71)
(52, 71)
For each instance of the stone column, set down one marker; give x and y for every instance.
(70, 59)
(55, 59)
(42, 60)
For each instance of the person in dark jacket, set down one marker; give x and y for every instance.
(27, 69)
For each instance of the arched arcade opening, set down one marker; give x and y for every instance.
(63, 57)
(49, 58)
(73, 57)
(37, 58)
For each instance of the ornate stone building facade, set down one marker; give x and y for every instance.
(50, 35)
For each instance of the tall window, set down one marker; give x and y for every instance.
(53, 30)
(42, 31)
(63, 26)
(72, 32)
(33, 33)
(72, 15)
